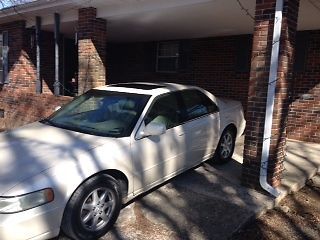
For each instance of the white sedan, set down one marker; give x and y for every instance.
(75, 169)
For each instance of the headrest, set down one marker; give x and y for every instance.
(127, 104)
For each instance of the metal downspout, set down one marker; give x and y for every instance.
(273, 74)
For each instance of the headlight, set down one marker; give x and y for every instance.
(26, 201)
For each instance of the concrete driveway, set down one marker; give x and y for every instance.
(208, 202)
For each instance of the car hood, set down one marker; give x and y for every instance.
(34, 148)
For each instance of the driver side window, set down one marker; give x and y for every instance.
(165, 110)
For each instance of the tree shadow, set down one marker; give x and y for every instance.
(300, 164)
(62, 159)
(199, 204)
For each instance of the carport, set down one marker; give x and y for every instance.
(228, 48)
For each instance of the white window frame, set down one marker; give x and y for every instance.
(168, 57)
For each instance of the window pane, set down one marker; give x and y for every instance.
(4, 56)
(212, 107)
(1, 52)
(101, 113)
(195, 105)
(168, 55)
(1, 60)
(167, 64)
(165, 110)
(168, 49)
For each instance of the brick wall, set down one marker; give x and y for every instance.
(18, 99)
(215, 67)
(21, 107)
(211, 67)
(304, 116)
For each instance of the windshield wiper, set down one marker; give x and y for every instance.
(47, 122)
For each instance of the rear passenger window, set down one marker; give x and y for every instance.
(165, 110)
(196, 104)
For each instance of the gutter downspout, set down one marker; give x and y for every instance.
(273, 74)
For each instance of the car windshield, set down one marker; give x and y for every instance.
(102, 113)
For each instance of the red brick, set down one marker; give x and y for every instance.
(258, 87)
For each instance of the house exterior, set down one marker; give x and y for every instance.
(54, 50)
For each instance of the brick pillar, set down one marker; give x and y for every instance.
(91, 49)
(257, 95)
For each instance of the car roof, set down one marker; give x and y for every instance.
(148, 88)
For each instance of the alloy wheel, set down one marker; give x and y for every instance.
(97, 209)
(226, 146)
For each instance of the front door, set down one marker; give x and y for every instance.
(156, 158)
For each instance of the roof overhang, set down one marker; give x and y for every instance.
(145, 20)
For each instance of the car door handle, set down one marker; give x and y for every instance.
(181, 134)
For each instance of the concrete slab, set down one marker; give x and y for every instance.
(200, 204)
(302, 162)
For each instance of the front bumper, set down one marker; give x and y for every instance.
(37, 223)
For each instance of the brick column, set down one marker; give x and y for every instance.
(257, 95)
(91, 50)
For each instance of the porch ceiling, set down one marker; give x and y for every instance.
(144, 20)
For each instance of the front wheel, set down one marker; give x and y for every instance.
(92, 209)
(225, 148)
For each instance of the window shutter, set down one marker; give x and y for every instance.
(301, 51)
(185, 56)
(5, 57)
(150, 57)
(243, 54)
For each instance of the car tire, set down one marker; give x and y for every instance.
(93, 208)
(225, 147)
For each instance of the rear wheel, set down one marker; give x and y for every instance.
(225, 146)
(93, 208)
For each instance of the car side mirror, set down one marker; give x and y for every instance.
(153, 129)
